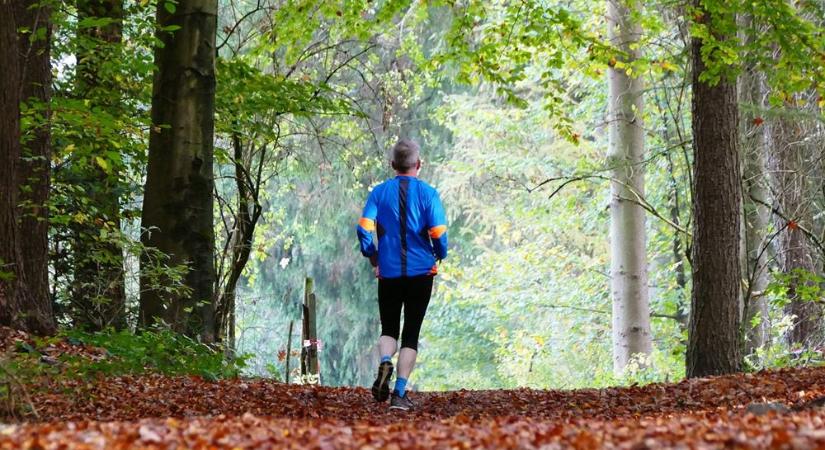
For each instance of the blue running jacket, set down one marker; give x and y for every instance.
(411, 225)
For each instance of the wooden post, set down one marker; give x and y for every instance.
(313, 331)
(288, 350)
(304, 337)
(309, 353)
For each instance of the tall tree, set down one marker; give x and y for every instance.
(789, 154)
(756, 219)
(713, 344)
(247, 211)
(756, 214)
(36, 144)
(628, 263)
(178, 198)
(26, 77)
(98, 282)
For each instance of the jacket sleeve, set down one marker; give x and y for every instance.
(366, 225)
(437, 225)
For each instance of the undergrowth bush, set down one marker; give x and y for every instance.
(113, 353)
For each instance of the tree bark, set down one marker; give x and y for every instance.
(789, 156)
(98, 288)
(756, 215)
(713, 344)
(35, 166)
(677, 253)
(628, 264)
(24, 294)
(178, 198)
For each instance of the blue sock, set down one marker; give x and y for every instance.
(400, 386)
(386, 358)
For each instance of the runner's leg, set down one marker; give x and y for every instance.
(387, 346)
(419, 290)
(406, 362)
(389, 309)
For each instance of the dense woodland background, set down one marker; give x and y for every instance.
(634, 189)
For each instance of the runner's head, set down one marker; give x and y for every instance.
(405, 157)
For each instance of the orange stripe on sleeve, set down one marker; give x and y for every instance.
(367, 224)
(436, 232)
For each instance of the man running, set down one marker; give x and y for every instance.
(410, 222)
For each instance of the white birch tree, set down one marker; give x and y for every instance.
(628, 264)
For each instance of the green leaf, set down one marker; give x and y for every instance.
(102, 163)
(95, 22)
(25, 347)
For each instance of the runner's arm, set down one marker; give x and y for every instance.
(437, 227)
(366, 225)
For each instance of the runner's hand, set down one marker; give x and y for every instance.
(374, 262)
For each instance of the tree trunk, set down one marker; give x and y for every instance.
(24, 302)
(756, 215)
(677, 252)
(35, 166)
(99, 290)
(239, 243)
(628, 266)
(713, 344)
(178, 198)
(788, 159)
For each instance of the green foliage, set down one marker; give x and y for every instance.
(273, 372)
(99, 131)
(160, 351)
(776, 354)
(781, 39)
(115, 353)
(5, 275)
(796, 285)
(508, 43)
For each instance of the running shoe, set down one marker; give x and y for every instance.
(381, 387)
(401, 403)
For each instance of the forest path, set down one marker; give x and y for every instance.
(189, 412)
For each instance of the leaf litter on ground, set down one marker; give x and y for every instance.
(771, 409)
(159, 412)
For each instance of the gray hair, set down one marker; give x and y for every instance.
(405, 155)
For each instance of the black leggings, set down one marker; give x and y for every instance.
(413, 293)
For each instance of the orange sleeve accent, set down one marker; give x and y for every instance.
(436, 232)
(367, 224)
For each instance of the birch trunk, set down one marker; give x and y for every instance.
(178, 198)
(628, 266)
